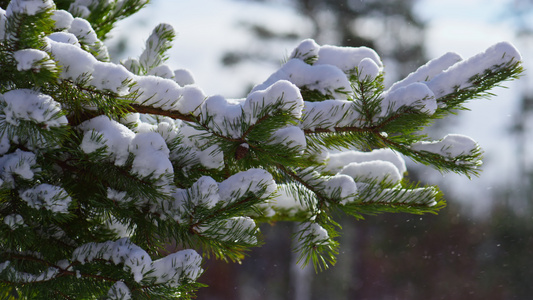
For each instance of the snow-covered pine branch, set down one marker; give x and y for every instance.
(111, 162)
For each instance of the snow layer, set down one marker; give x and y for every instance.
(183, 77)
(3, 20)
(119, 291)
(290, 137)
(171, 269)
(346, 58)
(452, 145)
(429, 70)
(307, 49)
(255, 181)
(31, 59)
(326, 79)
(101, 132)
(341, 187)
(220, 113)
(194, 151)
(16, 276)
(287, 199)
(167, 94)
(458, 76)
(14, 221)
(376, 170)
(20, 164)
(328, 114)
(30, 105)
(235, 230)
(155, 45)
(337, 161)
(47, 196)
(207, 193)
(315, 233)
(29, 7)
(82, 29)
(80, 66)
(62, 19)
(65, 38)
(151, 155)
(416, 95)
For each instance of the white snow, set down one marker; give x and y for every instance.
(82, 29)
(234, 229)
(80, 8)
(416, 95)
(31, 59)
(62, 19)
(203, 192)
(220, 113)
(368, 69)
(207, 193)
(163, 71)
(307, 49)
(151, 155)
(194, 151)
(324, 78)
(20, 163)
(29, 7)
(184, 264)
(376, 170)
(290, 137)
(339, 160)
(78, 65)
(14, 221)
(3, 20)
(47, 196)
(117, 196)
(429, 70)
(151, 56)
(341, 187)
(458, 76)
(30, 105)
(256, 181)
(183, 77)
(452, 145)
(119, 291)
(111, 77)
(287, 199)
(328, 114)
(346, 58)
(167, 94)
(65, 38)
(314, 232)
(101, 132)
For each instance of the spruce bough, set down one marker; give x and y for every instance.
(103, 165)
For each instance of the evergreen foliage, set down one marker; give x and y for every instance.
(104, 165)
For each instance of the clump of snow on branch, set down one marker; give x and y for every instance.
(14, 221)
(47, 196)
(170, 270)
(119, 291)
(32, 59)
(451, 146)
(29, 7)
(19, 163)
(29, 105)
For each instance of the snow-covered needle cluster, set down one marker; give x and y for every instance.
(117, 179)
